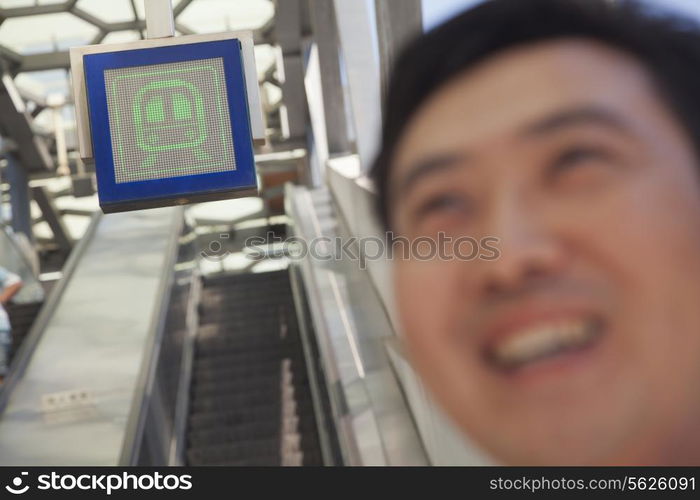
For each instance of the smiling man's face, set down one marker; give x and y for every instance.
(581, 343)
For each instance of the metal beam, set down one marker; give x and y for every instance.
(126, 25)
(87, 17)
(287, 25)
(136, 17)
(361, 64)
(183, 29)
(264, 34)
(294, 95)
(40, 62)
(99, 37)
(10, 55)
(325, 32)
(59, 60)
(177, 10)
(287, 30)
(15, 123)
(398, 21)
(20, 199)
(37, 9)
(53, 217)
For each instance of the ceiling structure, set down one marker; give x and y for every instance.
(35, 36)
(35, 39)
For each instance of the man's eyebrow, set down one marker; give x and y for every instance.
(587, 115)
(567, 118)
(429, 166)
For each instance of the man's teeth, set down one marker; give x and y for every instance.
(543, 341)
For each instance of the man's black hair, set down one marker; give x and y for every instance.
(668, 47)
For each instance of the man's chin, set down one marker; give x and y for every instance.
(577, 443)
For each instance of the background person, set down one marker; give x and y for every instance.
(10, 284)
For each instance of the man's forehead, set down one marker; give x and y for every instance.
(504, 94)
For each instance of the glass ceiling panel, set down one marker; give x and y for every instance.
(122, 36)
(9, 4)
(46, 33)
(211, 16)
(112, 11)
(43, 33)
(43, 83)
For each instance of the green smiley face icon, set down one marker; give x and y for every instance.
(169, 120)
(169, 115)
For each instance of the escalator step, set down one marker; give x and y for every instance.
(213, 369)
(253, 397)
(236, 416)
(247, 357)
(248, 447)
(257, 429)
(240, 383)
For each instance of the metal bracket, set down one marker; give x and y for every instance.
(160, 22)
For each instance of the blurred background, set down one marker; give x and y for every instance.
(153, 337)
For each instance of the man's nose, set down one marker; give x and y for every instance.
(531, 247)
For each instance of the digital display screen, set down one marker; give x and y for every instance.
(170, 124)
(169, 120)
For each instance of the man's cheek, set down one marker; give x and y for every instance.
(425, 302)
(419, 285)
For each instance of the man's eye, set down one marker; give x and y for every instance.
(444, 204)
(578, 156)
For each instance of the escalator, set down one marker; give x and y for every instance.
(22, 318)
(203, 370)
(250, 402)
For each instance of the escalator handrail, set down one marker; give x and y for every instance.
(26, 350)
(138, 412)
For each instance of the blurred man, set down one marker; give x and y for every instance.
(10, 284)
(570, 131)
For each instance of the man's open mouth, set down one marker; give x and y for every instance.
(543, 341)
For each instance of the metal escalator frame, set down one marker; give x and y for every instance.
(328, 439)
(135, 434)
(24, 353)
(374, 423)
(182, 407)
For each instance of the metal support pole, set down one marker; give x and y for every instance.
(288, 37)
(52, 216)
(6, 145)
(398, 21)
(357, 34)
(160, 22)
(20, 199)
(325, 29)
(56, 103)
